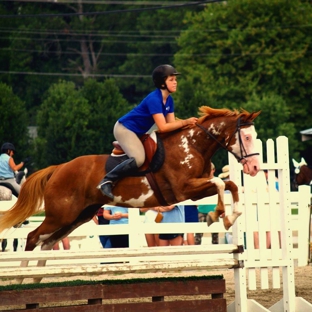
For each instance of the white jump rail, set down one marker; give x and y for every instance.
(86, 236)
(121, 260)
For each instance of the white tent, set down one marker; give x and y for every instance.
(306, 134)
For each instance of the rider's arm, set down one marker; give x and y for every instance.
(13, 166)
(164, 126)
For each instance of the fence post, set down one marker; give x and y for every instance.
(134, 227)
(304, 195)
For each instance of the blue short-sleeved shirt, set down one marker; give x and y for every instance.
(140, 119)
(176, 215)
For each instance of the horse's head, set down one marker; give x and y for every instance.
(235, 132)
(303, 174)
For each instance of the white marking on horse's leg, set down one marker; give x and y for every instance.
(229, 220)
(43, 238)
(236, 213)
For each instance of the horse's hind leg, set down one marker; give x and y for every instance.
(49, 235)
(34, 238)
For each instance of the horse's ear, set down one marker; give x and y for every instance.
(302, 161)
(254, 115)
(296, 164)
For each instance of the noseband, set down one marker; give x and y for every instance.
(241, 145)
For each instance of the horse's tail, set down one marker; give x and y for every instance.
(30, 199)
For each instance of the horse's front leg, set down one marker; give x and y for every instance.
(213, 216)
(218, 186)
(202, 187)
(229, 220)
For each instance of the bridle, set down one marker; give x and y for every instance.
(241, 145)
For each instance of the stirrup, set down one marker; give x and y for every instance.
(106, 189)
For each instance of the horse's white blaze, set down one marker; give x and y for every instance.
(185, 145)
(247, 145)
(248, 136)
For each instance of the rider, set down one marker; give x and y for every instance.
(8, 166)
(157, 108)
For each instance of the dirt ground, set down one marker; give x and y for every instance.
(268, 297)
(303, 284)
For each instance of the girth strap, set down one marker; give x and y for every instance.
(151, 179)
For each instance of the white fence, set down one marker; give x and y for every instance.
(264, 211)
(86, 236)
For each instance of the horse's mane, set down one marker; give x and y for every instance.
(207, 112)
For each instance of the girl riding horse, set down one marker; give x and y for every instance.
(157, 108)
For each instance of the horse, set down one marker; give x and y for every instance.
(70, 197)
(20, 177)
(303, 173)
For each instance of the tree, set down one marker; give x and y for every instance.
(234, 50)
(77, 121)
(273, 120)
(106, 106)
(13, 127)
(155, 44)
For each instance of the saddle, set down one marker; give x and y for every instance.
(154, 155)
(154, 159)
(10, 187)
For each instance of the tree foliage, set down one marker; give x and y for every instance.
(235, 53)
(13, 126)
(240, 53)
(77, 121)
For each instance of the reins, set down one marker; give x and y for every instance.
(226, 147)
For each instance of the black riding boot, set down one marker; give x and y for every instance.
(122, 170)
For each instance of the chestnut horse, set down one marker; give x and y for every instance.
(303, 173)
(71, 198)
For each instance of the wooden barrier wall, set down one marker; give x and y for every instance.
(200, 294)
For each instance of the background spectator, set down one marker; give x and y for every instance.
(117, 215)
(171, 214)
(191, 215)
(100, 220)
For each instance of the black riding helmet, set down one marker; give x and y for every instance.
(160, 74)
(7, 146)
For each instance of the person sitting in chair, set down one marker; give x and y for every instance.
(157, 108)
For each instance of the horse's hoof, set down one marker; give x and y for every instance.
(226, 222)
(209, 220)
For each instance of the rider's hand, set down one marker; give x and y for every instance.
(190, 122)
(26, 160)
